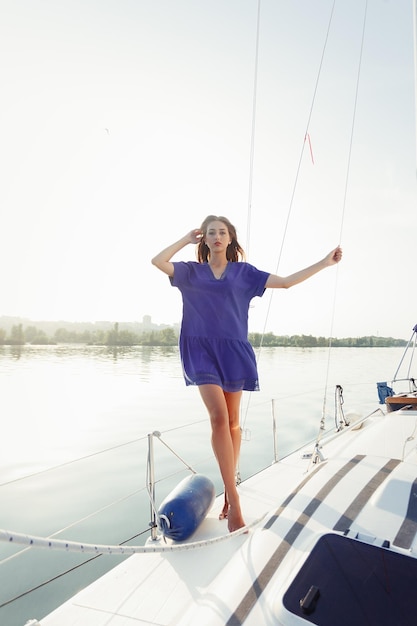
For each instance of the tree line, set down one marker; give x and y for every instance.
(116, 336)
(309, 341)
(20, 335)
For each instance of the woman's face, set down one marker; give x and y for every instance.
(217, 236)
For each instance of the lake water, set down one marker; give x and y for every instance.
(75, 421)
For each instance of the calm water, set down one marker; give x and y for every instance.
(74, 443)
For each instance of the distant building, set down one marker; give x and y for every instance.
(147, 322)
(147, 325)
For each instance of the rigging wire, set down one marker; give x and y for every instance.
(300, 160)
(410, 342)
(252, 142)
(415, 64)
(297, 174)
(347, 180)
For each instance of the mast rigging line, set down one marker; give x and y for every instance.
(252, 141)
(415, 64)
(297, 174)
(333, 308)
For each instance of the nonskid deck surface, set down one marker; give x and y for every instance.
(241, 580)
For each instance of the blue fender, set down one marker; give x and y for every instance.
(183, 510)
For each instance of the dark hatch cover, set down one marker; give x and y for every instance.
(347, 582)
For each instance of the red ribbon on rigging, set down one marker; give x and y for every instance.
(311, 149)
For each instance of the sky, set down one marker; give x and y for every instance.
(125, 122)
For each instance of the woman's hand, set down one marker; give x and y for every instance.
(195, 235)
(163, 260)
(334, 256)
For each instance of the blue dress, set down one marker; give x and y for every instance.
(213, 343)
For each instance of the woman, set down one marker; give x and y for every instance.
(215, 352)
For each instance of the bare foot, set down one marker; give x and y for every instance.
(225, 510)
(234, 519)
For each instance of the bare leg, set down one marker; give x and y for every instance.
(225, 444)
(233, 407)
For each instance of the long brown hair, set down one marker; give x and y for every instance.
(234, 250)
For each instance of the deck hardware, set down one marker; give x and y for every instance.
(274, 432)
(308, 603)
(372, 541)
(339, 416)
(150, 480)
(317, 455)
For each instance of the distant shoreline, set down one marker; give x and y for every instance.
(148, 334)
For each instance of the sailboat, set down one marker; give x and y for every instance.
(401, 399)
(331, 539)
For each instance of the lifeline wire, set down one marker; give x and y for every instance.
(97, 453)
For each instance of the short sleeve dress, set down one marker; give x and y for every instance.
(213, 343)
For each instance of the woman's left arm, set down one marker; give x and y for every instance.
(284, 282)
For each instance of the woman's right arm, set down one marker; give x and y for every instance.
(163, 260)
